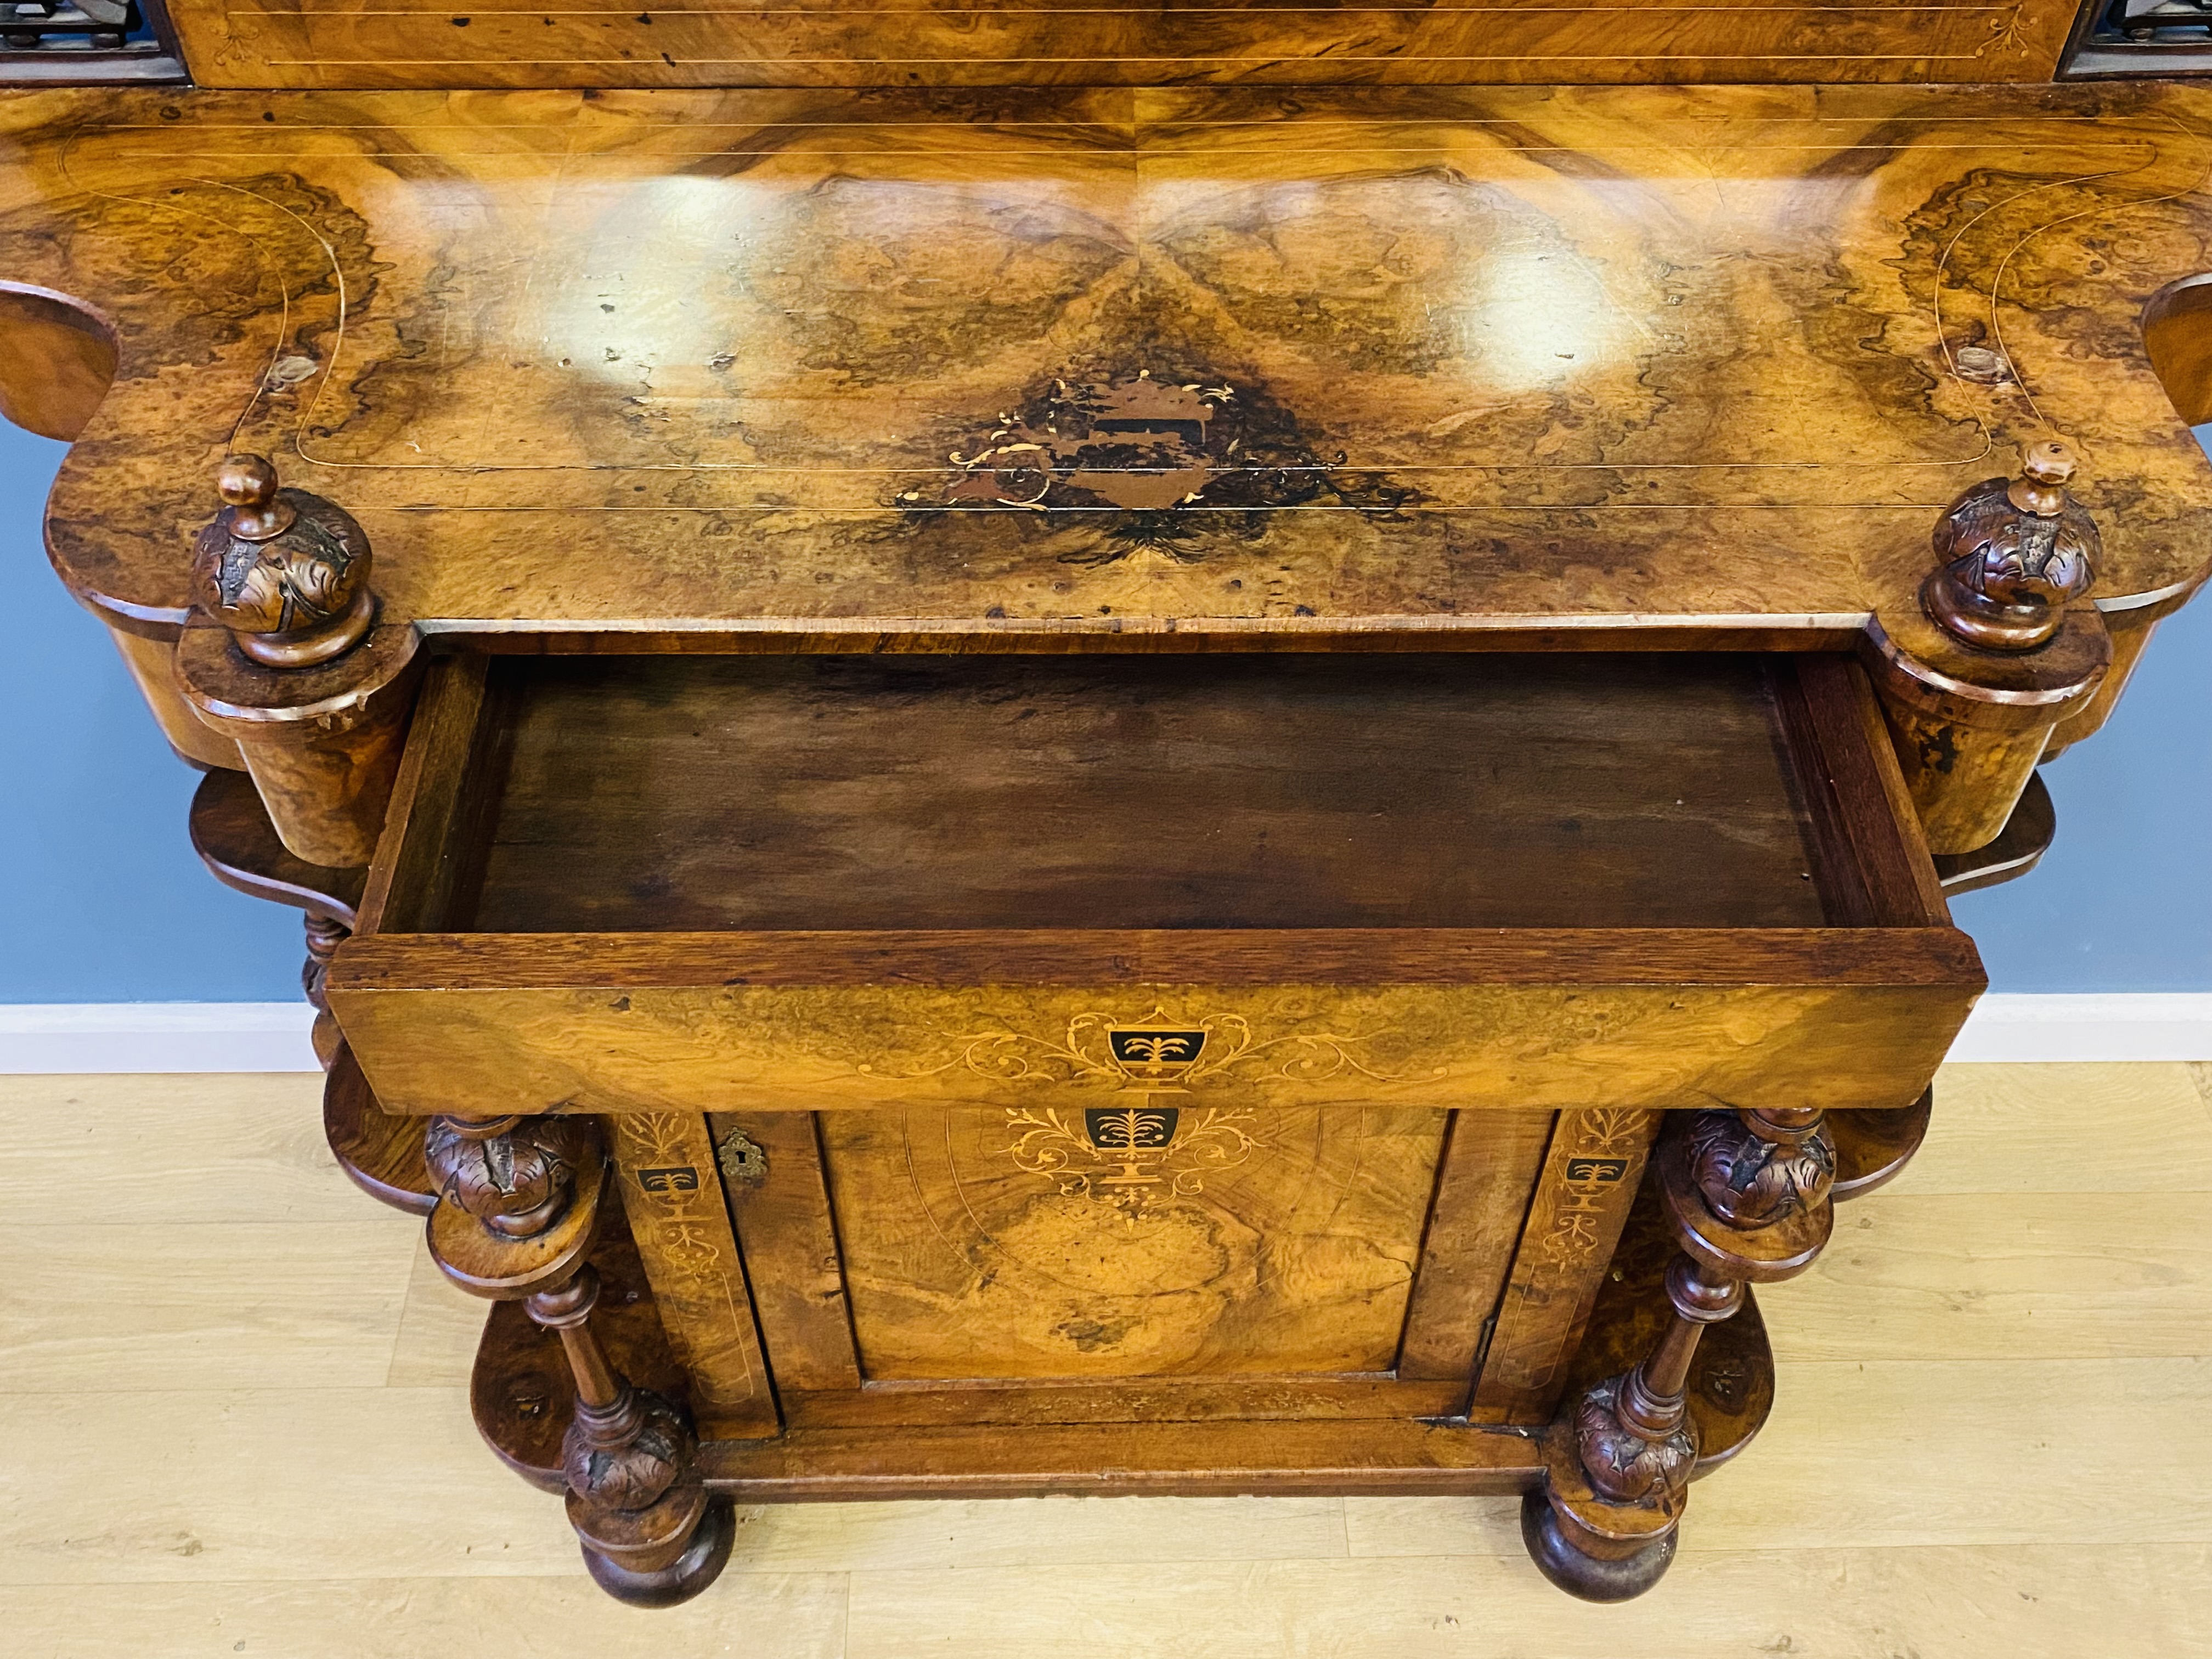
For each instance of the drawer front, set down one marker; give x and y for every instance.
(1792, 1017)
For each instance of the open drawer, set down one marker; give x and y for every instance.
(705, 883)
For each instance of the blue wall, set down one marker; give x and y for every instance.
(103, 900)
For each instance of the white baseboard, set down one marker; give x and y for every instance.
(272, 1036)
(156, 1037)
(2115, 1025)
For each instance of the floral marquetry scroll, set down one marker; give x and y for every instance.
(1582, 1198)
(1155, 1054)
(666, 1163)
(1131, 451)
(1131, 1148)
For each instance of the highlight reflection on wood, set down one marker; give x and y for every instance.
(698, 365)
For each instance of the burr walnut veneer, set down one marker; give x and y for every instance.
(1214, 789)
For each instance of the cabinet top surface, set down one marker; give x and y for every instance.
(1416, 358)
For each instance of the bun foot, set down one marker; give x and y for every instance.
(699, 1563)
(1590, 1578)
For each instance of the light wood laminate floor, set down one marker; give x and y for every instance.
(233, 1420)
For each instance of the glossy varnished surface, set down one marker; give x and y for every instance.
(397, 43)
(649, 363)
(750, 793)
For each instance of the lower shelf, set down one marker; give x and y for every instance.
(1368, 1457)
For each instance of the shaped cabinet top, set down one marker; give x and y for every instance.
(667, 365)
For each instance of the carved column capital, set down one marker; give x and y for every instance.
(2011, 554)
(517, 1176)
(1623, 1464)
(285, 570)
(1754, 1168)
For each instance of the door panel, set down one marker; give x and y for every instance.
(1143, 1239)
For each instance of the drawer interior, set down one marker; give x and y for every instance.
(858, 793)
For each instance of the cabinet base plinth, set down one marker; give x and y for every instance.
(699, 1565)
(1581, 1574)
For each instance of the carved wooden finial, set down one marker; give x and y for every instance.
(285, 570)
(2013, 553)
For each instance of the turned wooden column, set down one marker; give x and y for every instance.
(1746, 1195)
(285, 658)
(518, 1199)
(2000, 648)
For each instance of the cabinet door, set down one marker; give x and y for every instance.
(1149, 1261)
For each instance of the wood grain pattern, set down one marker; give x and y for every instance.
(58, 362)
(1491, 1165)
(264, 42)
(763, 1615)
(380, 1151)
(435, 1345)
(1592, 1169)
(664, 1165)
(87, 1304)
(2049, 1602)
(425, 854)
(257, 1152)
(848, 793)
(231, 832)
(1874, 865)
(1620, 346)
(1353, 1457)
(983, 1242)
(1018, 1405)
(323, 742)
(1993, 1267)
(1971, 726)
(2063, 1128)
(1834, 1017)
(780, 1205)
(151, 657)
(1958, 1602)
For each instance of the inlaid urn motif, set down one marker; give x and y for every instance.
(1164, 462)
